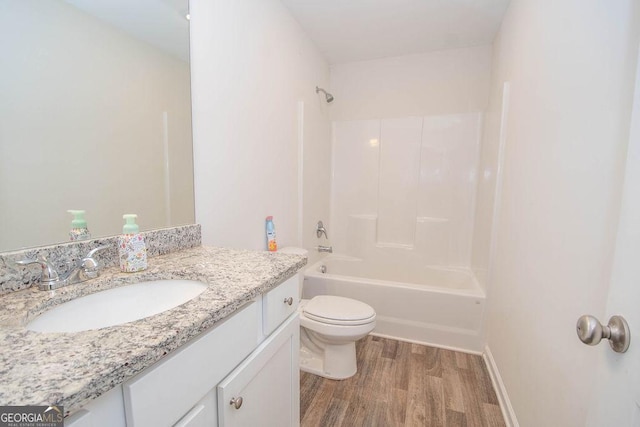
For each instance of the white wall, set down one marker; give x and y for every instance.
(81, 126)
(442, 82)
(251, 65)
(571, 66)
(316, 176)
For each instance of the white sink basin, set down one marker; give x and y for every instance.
(117, 306)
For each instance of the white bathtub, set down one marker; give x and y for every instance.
(441, 307)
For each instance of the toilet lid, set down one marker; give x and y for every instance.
(338, 310)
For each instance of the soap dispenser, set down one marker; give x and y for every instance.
(132, 250)
(79, 230)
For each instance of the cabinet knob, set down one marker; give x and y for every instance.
(288, 300)
(236, 402)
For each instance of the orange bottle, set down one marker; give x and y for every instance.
(272, 246)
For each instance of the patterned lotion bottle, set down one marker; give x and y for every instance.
(132, 250)
(79, 230)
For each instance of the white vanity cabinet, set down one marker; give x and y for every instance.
(252, 354)
(264, 389)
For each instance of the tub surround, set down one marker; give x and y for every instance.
(14, 277)
(405, 187)
(71, 369)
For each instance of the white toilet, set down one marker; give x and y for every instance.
(329, 328)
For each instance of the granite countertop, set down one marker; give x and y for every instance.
(71, 369)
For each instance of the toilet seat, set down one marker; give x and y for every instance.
(334, 310)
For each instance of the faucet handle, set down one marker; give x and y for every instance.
(49, 273)
(94, 250)
(89, 264)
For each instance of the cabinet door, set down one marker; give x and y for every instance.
(264, 390)
(279, 303)
(165, 392)
(105, 411)
(203, 414)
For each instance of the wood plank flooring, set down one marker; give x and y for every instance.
(403, 384)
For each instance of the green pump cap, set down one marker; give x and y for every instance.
(130, 227)
(78, 219)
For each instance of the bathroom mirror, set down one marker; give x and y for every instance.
(95, 114)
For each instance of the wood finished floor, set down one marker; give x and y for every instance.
(403, 384)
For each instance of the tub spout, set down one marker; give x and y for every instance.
(328, 249)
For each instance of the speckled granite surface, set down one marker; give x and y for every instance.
(70, 369)
(14, 277)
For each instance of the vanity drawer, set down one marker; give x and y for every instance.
(275, 304)
(165, 392)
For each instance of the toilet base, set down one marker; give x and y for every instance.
(336, 362)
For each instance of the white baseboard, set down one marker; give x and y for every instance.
(503, 398)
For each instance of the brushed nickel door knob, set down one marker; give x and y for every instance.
(591, 331)
(288, 301)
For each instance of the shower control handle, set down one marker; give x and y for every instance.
(288, 301)
(320, 230)
(591, 331)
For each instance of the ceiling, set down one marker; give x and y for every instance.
(355, 30)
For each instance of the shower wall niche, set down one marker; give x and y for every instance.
(405, 188)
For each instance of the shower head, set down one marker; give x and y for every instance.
(327, 95)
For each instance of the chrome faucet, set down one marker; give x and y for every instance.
(328, 249)
(320, 230)
(87, 268)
